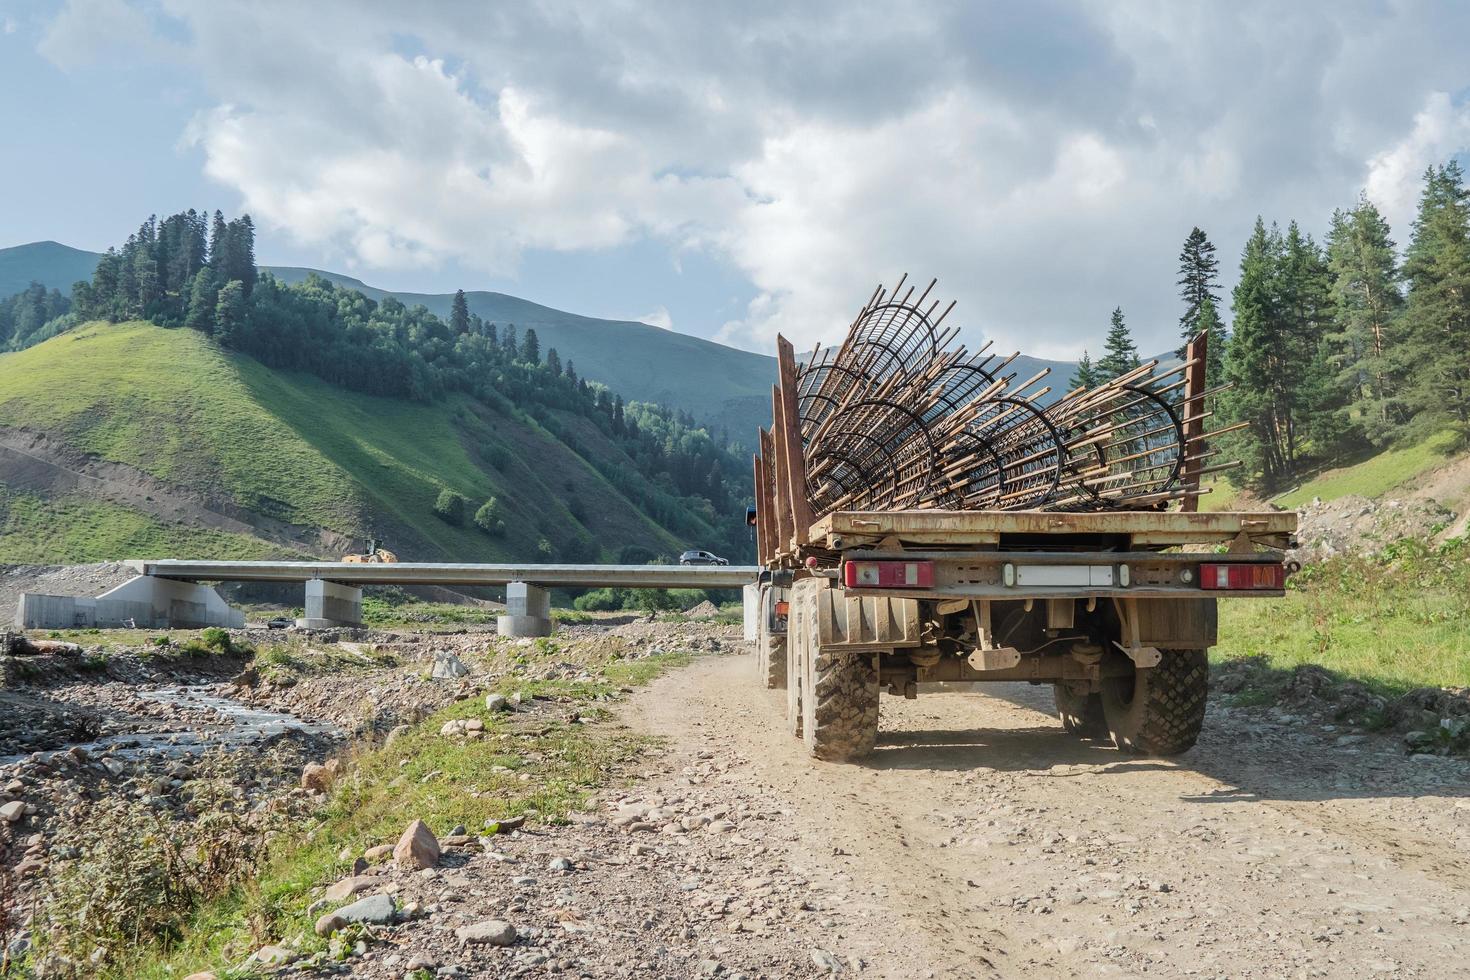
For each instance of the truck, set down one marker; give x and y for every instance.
(1115, 609)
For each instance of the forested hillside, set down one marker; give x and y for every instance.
(201, 282)
(1337, 350)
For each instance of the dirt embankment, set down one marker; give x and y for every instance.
(38, 462)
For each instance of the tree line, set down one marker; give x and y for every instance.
(1334, 349)
(189, 272)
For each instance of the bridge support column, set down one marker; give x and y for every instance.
(527, 611)
(331, 604)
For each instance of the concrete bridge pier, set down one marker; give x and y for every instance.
(527, 611)
(331, 604)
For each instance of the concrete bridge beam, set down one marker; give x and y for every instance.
(527, 611)
(331, 604)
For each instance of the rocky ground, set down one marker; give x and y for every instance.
(1356, 525)
(979, 841)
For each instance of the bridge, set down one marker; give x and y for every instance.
(171, 592)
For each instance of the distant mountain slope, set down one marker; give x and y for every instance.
(725, 388)
(130, 440)
(52, 264)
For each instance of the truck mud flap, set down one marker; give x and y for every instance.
(847, 622)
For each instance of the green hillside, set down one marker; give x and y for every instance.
(286, 448)
(52, 264)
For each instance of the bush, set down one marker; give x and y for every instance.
(544, 551)
(451, 506)
(579, 550)
(651, 600)
(498, 457)
(687, 598)
(489, 518)
(601, 600)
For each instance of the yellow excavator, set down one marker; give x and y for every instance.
(373, 556)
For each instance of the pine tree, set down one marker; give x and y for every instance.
(1199, 281)
(1086, 374)
(1305, 315)
(1120, 355)
(218, 233)
(553, 361)
(508, 341)
(1209, 322)
(1366, 308)
(1436, 348)
(203, 298)
(491, 334)
(531, 347)
(1251, 362)
(229, 312)
(571, 371)
(459, 314)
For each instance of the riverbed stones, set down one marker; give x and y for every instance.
(12, 812)
(348, 887)
(497, 702)
(448, 667)
(492, 932)
(376, 910)
(318, 777)
(417, 848)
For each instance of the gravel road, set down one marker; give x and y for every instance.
(980, 840)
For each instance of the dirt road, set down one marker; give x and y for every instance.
(980, 840)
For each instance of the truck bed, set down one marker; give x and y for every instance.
(1144, 529)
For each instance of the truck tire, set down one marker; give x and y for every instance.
(840, 704)
(773, 667)
(1159, 710)
(1081, 714)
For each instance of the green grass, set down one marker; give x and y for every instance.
(1375, 477)
(1394, 622)
(522, 765)
(289, 446)
(70, 528)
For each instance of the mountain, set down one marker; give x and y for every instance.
(130, 440)
(52, 264)
(726, 389)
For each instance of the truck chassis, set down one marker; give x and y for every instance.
(1100, 605)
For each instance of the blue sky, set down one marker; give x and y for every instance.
(733, 169)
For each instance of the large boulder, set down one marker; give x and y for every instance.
(417, 848)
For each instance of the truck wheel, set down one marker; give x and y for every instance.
(840, 704)
(1159, 710)
(1081, 714)
(773, 666)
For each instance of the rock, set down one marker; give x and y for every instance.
(497, 702)
(417, 848)
(559, 864)
(397, 732)
(448, 667)
(348, 887)
(272, 956)
(720, 827)
(378, 852)
(374, 910)
(418, 961)
(13, 811)
(825, 961)
(202, 975)
(711, 968)
(495, 932)
(329, 923)
(456, 727)
(316, 777)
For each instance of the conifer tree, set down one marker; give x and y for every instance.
(1120, 355)
(508, 341)
(531, 347)
(1209, 322)
(1199, 282)
(1436, 347)
(459, 314)
(1086, 374)
(1366, 306)
(553, 361)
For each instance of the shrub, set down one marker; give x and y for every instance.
(451, 506)
(601, 600)
(544, 551)
(651, 600)
(578, 550)
(489, 519)
(498, 457)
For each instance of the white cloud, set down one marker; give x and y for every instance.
(1044, 160)
(91, 31)
(660, 318)
(1396, 175)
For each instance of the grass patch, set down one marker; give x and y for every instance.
(1393, 622)
(539, 765)
(1376, 476)
(387, 614)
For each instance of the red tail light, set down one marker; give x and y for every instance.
(888, 574)
(1242, 577)
(782, 607)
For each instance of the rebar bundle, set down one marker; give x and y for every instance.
(901, 417)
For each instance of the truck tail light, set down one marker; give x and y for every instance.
(1242, 578)
(782, 607)
(888, 574)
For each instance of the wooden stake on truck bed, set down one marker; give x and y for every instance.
(794, 460)
(1193, 409)
(781, 463)
(765, 500)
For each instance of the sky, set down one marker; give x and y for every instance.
(734, 170)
